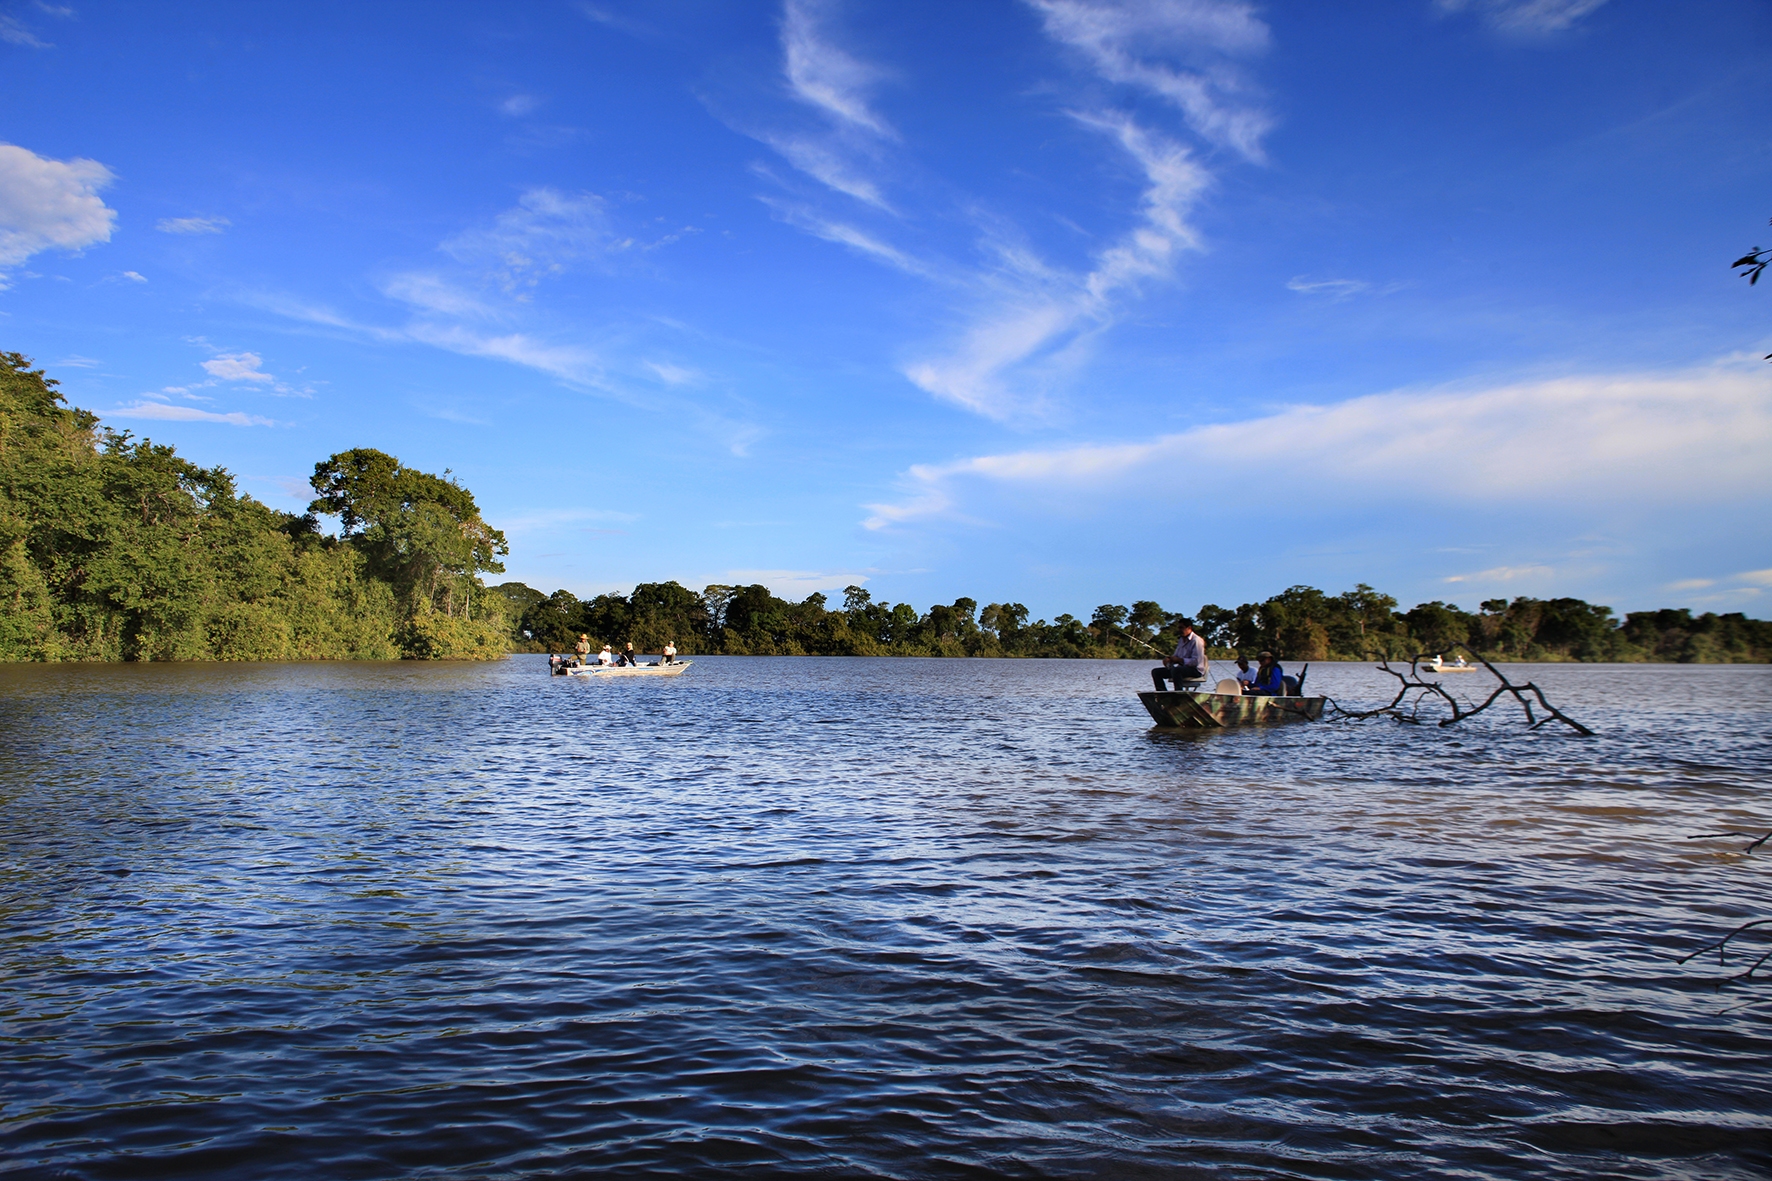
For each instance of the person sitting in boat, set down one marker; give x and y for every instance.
(1270, 678)
(670, 652)
(606, 656)
(583, 648)
(627, 657)
(1189, 662)
(1245, 674)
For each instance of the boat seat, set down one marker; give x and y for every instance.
(1229, 687)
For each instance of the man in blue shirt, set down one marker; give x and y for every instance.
(1188, 664)
(1270, 679)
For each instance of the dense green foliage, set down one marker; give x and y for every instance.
(113, 548)
(1301, 623)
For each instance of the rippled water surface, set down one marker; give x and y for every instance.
(897, 918)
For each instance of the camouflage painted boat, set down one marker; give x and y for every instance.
(1191, 710)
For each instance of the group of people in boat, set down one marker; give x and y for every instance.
(624, 659)
(1188, 664)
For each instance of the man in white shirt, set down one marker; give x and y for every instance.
(1189, 662)
(1245, 674)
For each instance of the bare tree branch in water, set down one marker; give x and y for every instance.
(1721, 948)
(1721, 945)
(1705, 836)
(1413, 683)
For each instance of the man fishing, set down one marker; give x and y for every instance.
(1189, 662)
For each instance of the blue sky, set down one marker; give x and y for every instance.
(1062, 302)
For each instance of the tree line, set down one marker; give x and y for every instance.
(1300, 623)
(115, 548)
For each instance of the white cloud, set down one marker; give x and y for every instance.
(1757, 577)
(237, 367)
(829, 164)
(549, 519)
(821, 74)
(1035, 312)
(135, 276)
(1339, 288)
(192, 225)
(519, 104)
(1504, 574)
(672, 374)
(1525, 16)
(1635, 439)
(50, 203)
(160, 411)
(1125, 41)
(568, 362)
(433, 293)
(794, 584)
(1689, 584)
(545, 231)
(844, 234)
(15, 33)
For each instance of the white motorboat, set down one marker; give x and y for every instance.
(1437, 666)
(563, 667)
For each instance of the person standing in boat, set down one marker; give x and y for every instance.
(583, 648)
(1270, 678)
(1189, 662)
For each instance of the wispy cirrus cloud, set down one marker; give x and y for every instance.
(1501, 574)
(167, 412)
(192, 225)
(1524, 16)
(841, 146)
(50, 204)
(1180, 50)
(1026, 322)
(543, 234)
(1627, 439)
(1339, 288)
(1032, 313)
(824, 75)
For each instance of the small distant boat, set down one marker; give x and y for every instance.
(1436, 666)
(562, 667)
(1200, 709)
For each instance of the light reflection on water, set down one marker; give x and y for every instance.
(896, 918)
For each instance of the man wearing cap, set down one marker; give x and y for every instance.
(1189, 662)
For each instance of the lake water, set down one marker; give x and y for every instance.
(869, 918)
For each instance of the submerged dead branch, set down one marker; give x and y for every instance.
(1406, 708)
(1721, 945)
(1705, 836)
(1721, 948)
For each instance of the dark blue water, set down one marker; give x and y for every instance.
(893, 918)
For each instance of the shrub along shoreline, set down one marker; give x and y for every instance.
(113, 548)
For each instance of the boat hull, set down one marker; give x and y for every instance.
(1215, 711)
(622, 670)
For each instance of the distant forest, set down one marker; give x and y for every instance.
(1301, 623)
(114, 548)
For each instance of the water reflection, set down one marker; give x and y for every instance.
(895, 917)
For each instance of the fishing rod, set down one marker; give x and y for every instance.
(1136, 640)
